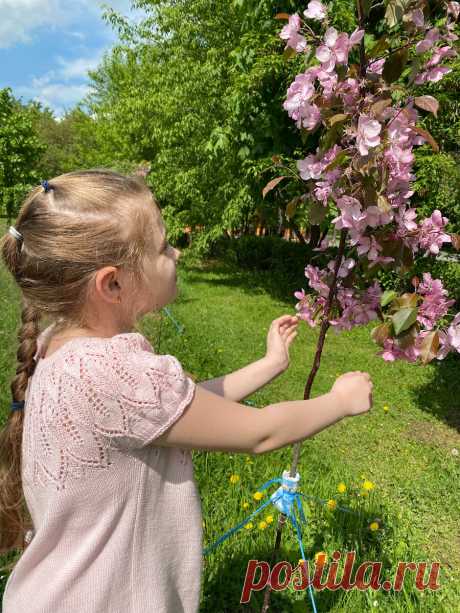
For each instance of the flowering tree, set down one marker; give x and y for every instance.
(357, 92)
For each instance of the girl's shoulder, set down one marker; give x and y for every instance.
(124, 342)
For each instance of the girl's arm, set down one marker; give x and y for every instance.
(245, 381)
(214, 423)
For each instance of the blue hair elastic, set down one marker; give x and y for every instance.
(46, 186)
(17, 406)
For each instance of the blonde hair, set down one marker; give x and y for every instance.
(88, 220)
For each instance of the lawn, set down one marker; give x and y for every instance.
(405, 446)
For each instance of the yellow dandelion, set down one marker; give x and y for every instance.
(331, 504)
(368, 485)
(386, 408)
(245, 505)
(262, 525)
(248, 526)
(269, 519)
(234, 479)
(374, 526)
(322, 555)
(258, 496)
(341, 488)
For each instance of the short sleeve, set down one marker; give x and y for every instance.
(139, 394)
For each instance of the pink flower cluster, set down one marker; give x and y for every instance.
(357, 307)
(432, 235)
(336, 48)
(432, 71)
(450, 338)
(435, 304)
(313, 167)
(377, 147)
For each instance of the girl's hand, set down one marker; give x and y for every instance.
(355, 392)
(279, 338)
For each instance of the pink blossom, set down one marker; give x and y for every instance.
(407, 220)
(345, 267)
(290, 33)
(431, 37)
(368, 134)
(450, 340)
(323, 245)
(375, 217)
(391, 352)
(307, 306)
(315, 278)
(377, 66)
(313, 166)
(315, 10)
(439, 54)
(300, 92)
(310, 167)
(453, 8)
(348, 90)
(417, 17)
(352, 215)
(358, 308)
(434, 75)
(336, 48)
(434, 305)
(432, 236)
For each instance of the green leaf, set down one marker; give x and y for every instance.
(339, 118)
(271, 185)
(317, 213)
(427, 103)
(381, 45)
(289, 52)
(404, 319)
(395, 11)
(427, 136)
(387, 297)
(395, 65)
(381, 333)
(429, 347)
(339, 159)
(383, 204)
(291, 207)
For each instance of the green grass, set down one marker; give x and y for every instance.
(406, 451)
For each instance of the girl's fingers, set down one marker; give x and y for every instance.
(288, 330)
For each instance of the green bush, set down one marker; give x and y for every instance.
(438, 187)
(268, 253)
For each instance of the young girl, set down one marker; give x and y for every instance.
(97, 486)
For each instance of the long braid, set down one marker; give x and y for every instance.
(14, 516)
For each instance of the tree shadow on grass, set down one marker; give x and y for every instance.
(439, 396)
(280, 286)
(224, 581)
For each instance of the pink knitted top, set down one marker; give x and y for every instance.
(117, 520)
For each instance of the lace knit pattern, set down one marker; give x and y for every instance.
(96, 397)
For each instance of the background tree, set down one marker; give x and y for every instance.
(20, 151)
